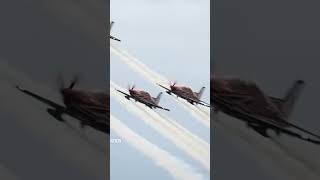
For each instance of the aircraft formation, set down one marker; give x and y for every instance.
(232, 96)
(247, 102)
(92, 108)
(152, 102)
(183, 92)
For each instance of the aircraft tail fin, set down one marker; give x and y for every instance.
(199, 94)
(157, 99)
(291, 97)
(111, 24)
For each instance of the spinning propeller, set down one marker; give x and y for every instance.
(172, 83)
(74, 81)
(130, 88)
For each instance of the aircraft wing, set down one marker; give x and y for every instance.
(100, 117)
(273, 125)
(303, 130)
(287, 131)
(197, 101)
(95, 108)
(169, 90)
(156, 106)
(299, 136)
(188, 99)
(42, 99)
(97, 121)
(114, 38)
(204, 103)
(104, 127)
(128, 96)
(294, 134)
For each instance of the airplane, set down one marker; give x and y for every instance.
(91, 108)
(186, 93)
(246, 101)
(112, 37)
(143, 97)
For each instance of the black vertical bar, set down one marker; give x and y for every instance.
(107, 40)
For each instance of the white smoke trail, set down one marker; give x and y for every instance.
(157, 76)
(161, 80)
(200, 143)
(195, 138)
(138, 66)
(197, 142)
(153, 77)
(174, 166)
(290, 164)
(195, 111)
(180, 138)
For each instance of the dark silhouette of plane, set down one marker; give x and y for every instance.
(91, 108)
(246, 101)
(112, 37)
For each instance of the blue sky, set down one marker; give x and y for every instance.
(173, 38)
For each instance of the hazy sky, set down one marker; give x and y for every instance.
(173, 39)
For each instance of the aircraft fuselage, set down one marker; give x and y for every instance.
(91, 107)
(247, 102)
(143, 97)
(184, 92)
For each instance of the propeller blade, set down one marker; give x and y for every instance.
(174, 83)
(74, 81)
